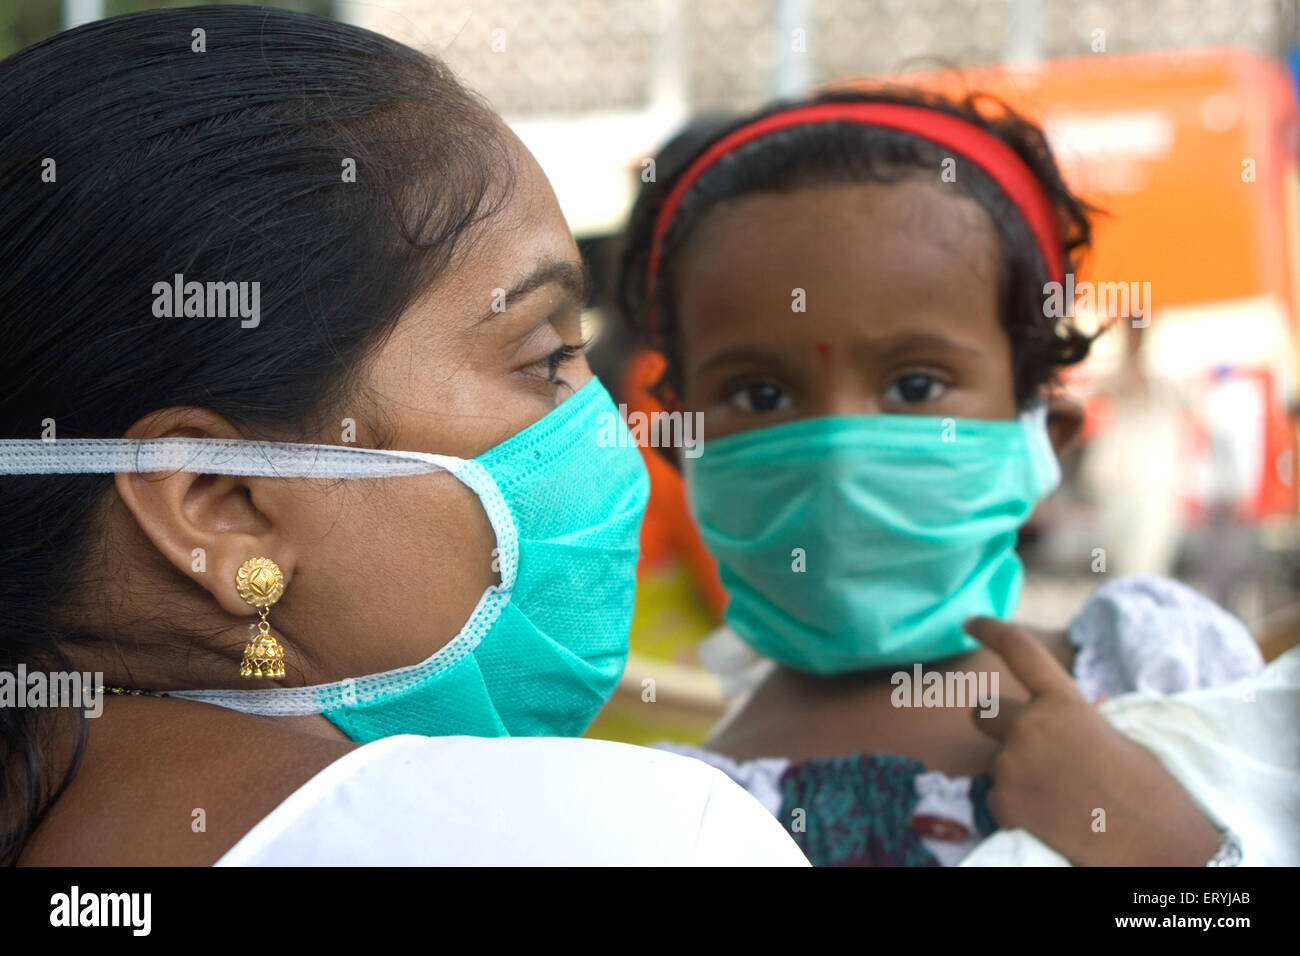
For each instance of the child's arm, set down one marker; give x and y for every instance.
(1067, 776)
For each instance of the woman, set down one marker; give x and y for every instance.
(230, 226)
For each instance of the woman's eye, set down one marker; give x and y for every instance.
(914, 388)
(548, 366)
(760, 397)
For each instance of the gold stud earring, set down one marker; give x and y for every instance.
(260, 583)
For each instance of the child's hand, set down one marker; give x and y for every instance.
(1063, 772)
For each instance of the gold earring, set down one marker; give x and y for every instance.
(260, 583)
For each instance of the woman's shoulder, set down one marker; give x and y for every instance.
(168, 783)
(410, 800)
(192, 785)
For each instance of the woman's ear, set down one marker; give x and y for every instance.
(205, 525)
(1064, 421)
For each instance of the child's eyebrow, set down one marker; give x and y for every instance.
(888, 347)
(751, 354)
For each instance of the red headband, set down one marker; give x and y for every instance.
(998, 160)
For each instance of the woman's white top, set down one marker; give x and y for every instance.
(409, 800)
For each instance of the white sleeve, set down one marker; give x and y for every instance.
(737, 830)
(1014, 847)
(1233, 749)
(515, 801)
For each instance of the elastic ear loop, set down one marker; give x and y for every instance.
(352, 691)
(1042, 456)
(291, 460)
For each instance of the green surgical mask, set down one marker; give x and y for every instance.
(849, 543)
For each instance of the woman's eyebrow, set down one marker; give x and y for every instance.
(572, 276)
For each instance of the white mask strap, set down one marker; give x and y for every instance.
(1042, 456)
(213, 456)
(219, 456)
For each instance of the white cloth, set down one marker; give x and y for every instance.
(1234, 749)
(948, 798)
(734, 663)
(1142, 632)
(408, 800)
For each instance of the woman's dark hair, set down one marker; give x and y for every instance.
(849, 152)
(127, 156)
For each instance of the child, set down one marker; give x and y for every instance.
(851, 291)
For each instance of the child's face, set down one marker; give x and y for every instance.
(899, 284)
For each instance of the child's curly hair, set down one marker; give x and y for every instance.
(851, 152)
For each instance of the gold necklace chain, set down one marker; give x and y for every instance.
(132, 692)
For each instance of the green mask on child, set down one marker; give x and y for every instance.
(855, 542)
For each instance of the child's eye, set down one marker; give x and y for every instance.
(760, 397)
(914, 388)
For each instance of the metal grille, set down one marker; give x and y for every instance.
(575, 56)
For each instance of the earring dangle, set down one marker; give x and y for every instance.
(260, 583)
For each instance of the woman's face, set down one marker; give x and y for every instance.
(898, 286)
(381, 573)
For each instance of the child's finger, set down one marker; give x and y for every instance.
(1031, 663)
(999, 725)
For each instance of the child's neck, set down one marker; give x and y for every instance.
(800, 717)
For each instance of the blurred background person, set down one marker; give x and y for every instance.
(1224, 562)
(1134, 469)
